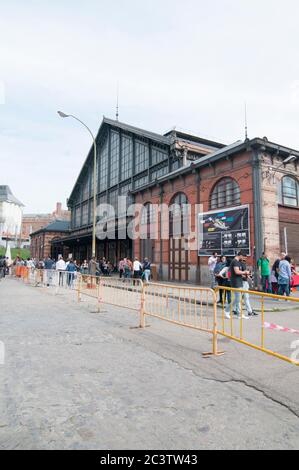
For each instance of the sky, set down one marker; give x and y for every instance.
(190, 64)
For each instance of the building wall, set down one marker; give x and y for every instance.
(275, 216)
(33, 222)
(197, 188)
(40, 246)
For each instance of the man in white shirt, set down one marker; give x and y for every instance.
(212, 265)
(137, 268)
(61, 266)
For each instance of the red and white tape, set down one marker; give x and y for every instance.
(272, 326)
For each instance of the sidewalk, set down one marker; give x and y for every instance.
(73, 379)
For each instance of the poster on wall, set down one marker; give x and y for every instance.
(224, 231)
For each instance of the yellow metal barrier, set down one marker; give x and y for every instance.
(125, 293)
(258, 331)
(191, 307)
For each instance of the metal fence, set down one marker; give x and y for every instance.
(263, 332)
(192, 307)
(125, 293)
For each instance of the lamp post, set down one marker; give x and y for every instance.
(63, 115)
(287, 160)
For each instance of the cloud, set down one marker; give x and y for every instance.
(190, 64)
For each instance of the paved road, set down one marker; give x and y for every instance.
(73, 379)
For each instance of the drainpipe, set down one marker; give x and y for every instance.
(160, 236)
(257, 197)
(198, 180)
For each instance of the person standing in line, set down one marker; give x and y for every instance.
(71, 270)
(247, 280)
(137, 269)
(128, 266)
(212, 265)
(284, 277)
(221, 264)
(92, 266)
(225, 282)
(48, 268)
(265, 270)
(2, 267)
(146, 269)
(61, 267)
(121, 268)
(275, 267)
(274, 282)
(84, 268)
(236, 280)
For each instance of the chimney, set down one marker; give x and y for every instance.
(58, 208)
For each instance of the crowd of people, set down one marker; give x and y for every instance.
(278, 279)
(234, 273)
(126, 268)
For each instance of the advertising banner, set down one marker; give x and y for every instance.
(225, 231)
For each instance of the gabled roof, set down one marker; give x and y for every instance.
(125, 127)
(7, 196)
(167, 139)
(56, 226)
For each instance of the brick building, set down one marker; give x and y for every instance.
(250, 174)
(33, 222)
(240, 196)
(41, 240)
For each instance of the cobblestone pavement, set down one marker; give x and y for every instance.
(73, 379)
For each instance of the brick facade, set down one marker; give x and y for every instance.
(31, 223)
(197, 185)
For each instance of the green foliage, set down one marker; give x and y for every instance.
(22, 252)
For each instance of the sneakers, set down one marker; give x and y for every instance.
(238, 316)
(253, 314)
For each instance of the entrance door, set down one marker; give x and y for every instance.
(178, 246)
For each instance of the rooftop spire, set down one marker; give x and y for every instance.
(246, 123)
(117, 102)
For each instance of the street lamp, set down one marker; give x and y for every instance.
(63, 115)
(287, 160)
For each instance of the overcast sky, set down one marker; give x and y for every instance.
(190, 64)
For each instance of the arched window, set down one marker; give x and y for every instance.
(226, 193)
(289, 191)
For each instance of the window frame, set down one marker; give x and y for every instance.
(227, 197)
(284, 196)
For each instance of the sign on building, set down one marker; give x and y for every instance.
(224, 231)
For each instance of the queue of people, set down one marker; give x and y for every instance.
(126, 267)
(234, 274)
(280, 278)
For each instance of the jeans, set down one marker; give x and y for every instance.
(246, 297)
(147, 273)
(213, 279)
(284, 289)
(236, 303)
(267, 280)
(61, 278)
